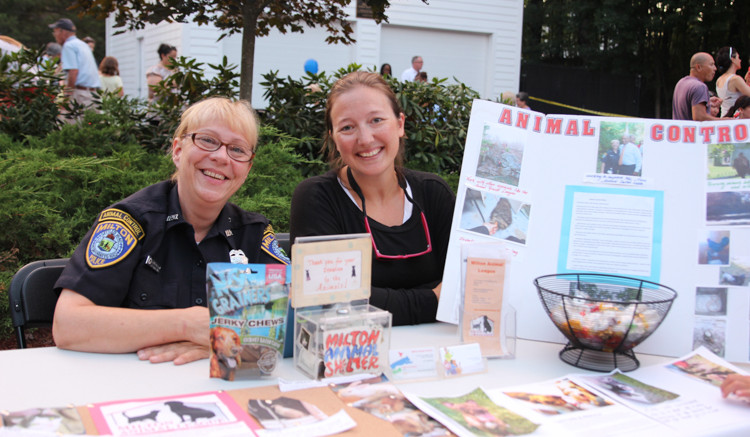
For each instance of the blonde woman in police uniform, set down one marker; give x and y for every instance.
(137, 281)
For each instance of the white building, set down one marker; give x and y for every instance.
(476, 41)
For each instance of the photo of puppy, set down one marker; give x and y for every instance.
(225, 353)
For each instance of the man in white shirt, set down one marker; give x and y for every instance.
(410, 73)
(82, 73)
(630, 157)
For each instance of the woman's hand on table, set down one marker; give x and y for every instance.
(195, 323)
(182, 352)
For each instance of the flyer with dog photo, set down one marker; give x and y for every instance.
(248, 307)
(214, 413)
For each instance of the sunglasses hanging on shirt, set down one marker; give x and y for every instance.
(378, 253)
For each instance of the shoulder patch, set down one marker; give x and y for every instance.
(271, 246)
(116, 215)
(110, 243)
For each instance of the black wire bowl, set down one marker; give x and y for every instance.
(603, 316)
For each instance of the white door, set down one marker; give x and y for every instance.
(445, 53)
(287, 53)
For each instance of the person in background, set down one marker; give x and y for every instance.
(91, 42)
(52, 51)
(740, 109)
(407, 213)
(729, 86)
(630, 157)
(78, 63)
(137, 281)
(421, 77)
(690, 98)
(738, 385)
(109, 74)
(522, 100)
(714, 104)
(385, 70)
(611, 159)
(411, 73)
(161, 71)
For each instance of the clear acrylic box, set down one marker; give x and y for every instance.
(343, 340)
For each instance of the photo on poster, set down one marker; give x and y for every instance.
(385, 401)
(476, 413)
(699, 367)
(500, 156)
(496, 216)
(728, 161)
(711, 334)
(623, 387)
(620, 148)
(711, 301)
(713, 248)
(50, 421)
(284, 412)
(728, 208)
(563, 396)
(736, 273)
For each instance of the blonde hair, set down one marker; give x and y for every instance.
(238, 116)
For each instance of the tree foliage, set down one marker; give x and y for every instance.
(437, 117)
(651, 38)
(251, 18)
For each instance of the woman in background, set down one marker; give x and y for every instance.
(729, 86)
(740, 109)
(407, 213)
(385, 70)
(109, 75)
(161, 71)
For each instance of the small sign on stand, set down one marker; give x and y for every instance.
(336, 332)
(485, 318)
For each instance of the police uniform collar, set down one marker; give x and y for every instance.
(222, 226)
(174, 211)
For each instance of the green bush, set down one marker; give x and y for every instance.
(437, 117)
(28, 90)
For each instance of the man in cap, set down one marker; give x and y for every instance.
(77, 62)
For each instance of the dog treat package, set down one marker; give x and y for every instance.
(248, 307)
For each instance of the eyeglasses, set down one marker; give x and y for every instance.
(238, 152)
(379, 254)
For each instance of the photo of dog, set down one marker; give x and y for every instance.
(225, 353)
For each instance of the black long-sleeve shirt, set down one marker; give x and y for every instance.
(320, 206)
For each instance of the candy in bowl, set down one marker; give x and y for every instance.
(603, 316)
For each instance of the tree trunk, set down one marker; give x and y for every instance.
(250, 12)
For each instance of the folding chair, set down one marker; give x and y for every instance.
(284, 243)
(32, 298)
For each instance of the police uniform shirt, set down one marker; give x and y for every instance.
(141, 253)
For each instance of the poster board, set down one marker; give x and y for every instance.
(543, 179)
